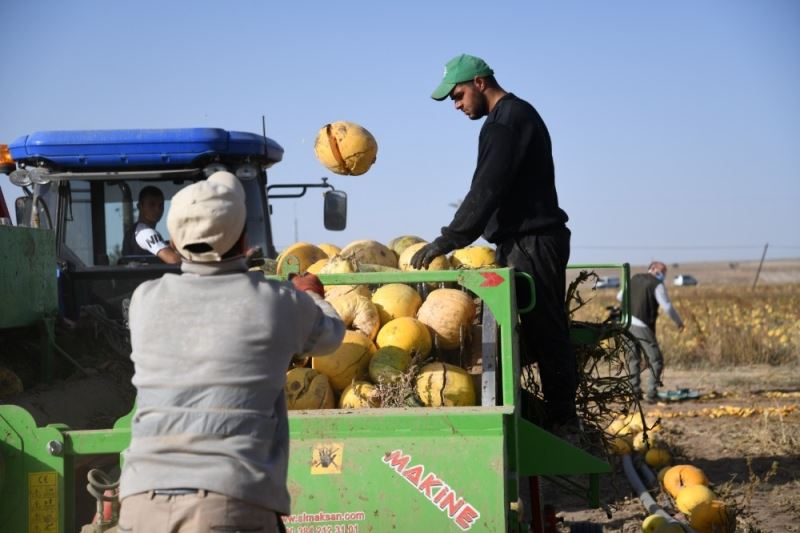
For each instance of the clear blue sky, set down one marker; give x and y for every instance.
(675, 125)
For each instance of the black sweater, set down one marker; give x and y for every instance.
(513, 189)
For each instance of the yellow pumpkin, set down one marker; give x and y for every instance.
(439, 263)
(449, 313)
(316, 267)
(308, 389)
(395, 300)
(657, 457)
(399, 244)
(443, 384)
(389, 364)
(661, 474)
(348, 362)
(330, 249)
(653, 522)
(338, 265)
(713, 516)
(300, 254)
(670, 527)
(358, 312)
(473, 257)
(620, 446)
(359, 395)
(631, 424)
(680, 476)
(692, 497)
(369, 252)
(407, 333)
(653, 441)
(346, 148)
(334, 291)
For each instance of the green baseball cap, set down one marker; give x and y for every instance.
(458, 70)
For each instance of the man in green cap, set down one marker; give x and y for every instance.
(512, 202)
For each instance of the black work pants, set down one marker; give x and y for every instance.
(544, 331)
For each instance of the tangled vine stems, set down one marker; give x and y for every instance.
(603, 391)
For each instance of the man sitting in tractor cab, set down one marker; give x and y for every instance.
(143, 238)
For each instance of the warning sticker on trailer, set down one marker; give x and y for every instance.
(326, 458)
(42, 502)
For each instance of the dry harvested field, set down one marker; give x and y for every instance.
(738, 273)
(741, 352)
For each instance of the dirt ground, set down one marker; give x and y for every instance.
(752, 462)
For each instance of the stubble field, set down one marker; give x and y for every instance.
(740, 352)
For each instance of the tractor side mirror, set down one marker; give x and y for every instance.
(335, 212)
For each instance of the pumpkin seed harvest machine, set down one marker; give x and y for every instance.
(472, 468)
(401, 469)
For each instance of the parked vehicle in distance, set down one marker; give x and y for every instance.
(684, 280)
(607, 282)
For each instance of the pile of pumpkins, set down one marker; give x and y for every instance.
(685, 484)
(386, 328)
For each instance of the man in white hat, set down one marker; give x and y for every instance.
(211, 346)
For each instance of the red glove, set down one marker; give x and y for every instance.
(308, 282)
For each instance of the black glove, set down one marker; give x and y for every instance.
(423, 257)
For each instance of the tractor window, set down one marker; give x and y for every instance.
(102, 215)
(78, 229)
(122, 214)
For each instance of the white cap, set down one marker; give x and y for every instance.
(207, 218)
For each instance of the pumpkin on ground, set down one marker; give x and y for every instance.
(680, 476)
(620, 446)
(652, 523)
(692, 497)
(657, 457)
(709, 517)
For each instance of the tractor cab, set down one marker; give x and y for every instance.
(86, 185)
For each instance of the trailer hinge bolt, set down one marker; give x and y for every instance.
(54, 447)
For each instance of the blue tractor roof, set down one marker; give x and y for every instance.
(179, 147)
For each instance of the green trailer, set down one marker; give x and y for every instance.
(400, 469)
